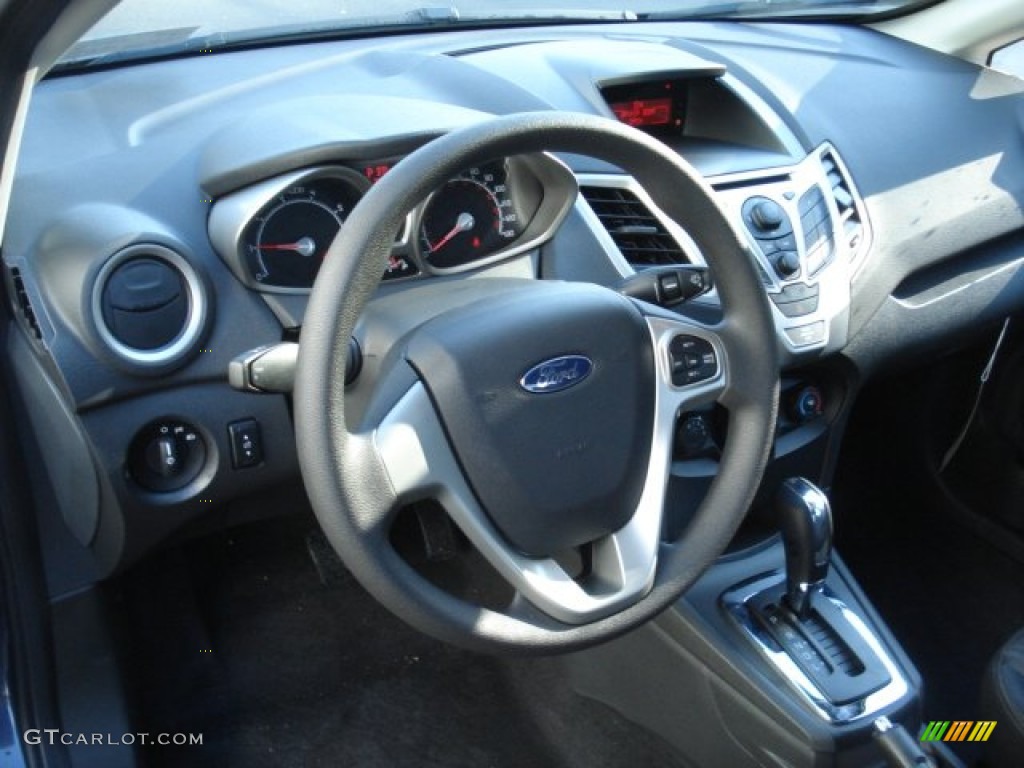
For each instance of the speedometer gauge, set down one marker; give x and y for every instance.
(285, 243)
(470, 217)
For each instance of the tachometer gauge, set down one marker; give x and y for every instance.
(285, 243)
(470, 217)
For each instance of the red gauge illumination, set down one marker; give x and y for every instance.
(643, 113)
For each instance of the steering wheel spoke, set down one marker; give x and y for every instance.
(414, 450)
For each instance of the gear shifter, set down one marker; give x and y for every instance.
(826, 647)
(805, 518)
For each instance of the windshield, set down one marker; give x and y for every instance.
(147, 28)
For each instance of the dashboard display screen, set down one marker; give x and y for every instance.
(657, 107)
(644, 113)
(374, 172)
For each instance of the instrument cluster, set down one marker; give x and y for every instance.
(275, 234)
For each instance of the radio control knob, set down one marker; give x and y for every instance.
(767, 216)
(787, 264)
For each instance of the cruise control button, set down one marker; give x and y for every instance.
(692, 360)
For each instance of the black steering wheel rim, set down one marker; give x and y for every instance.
(346, 481)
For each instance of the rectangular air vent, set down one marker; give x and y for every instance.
(641, 237)
(24, 304)
(851, 224)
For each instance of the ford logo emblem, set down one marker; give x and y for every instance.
(556, 374)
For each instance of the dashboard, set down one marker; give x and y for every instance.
(170, 216)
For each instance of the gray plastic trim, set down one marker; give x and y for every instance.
(765, 114)
(735, 602)
(412, 445)
(195, 321)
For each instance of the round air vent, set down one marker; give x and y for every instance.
(148, 305)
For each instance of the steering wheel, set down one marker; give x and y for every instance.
(539, 414)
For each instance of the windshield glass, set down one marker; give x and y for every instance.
(143, 28)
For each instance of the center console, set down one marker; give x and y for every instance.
(774, 657)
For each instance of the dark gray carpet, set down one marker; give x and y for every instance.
(950, 596)
(237, 638)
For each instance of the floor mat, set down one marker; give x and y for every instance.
(236, 638)
(949, 596)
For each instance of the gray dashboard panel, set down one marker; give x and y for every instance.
(138, 154)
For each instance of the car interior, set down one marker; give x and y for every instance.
(512, 384)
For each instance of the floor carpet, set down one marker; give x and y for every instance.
(237, 637)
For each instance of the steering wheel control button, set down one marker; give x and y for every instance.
(693, 360)
(693, 437)
(807, 335)
(166, 455)
(246, 443)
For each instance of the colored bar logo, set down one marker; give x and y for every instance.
(958, 730)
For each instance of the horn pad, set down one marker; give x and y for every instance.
(547, 397)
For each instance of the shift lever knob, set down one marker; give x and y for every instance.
(805, 518)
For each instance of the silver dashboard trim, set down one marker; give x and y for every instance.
(233, 214)
(560, 190)
(735, 603)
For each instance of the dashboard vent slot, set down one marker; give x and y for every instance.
(25, 304)
(851, 224)
(639, 234)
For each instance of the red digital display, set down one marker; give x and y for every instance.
(375, 172)
(643, 113)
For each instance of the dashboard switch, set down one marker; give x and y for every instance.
(799, 308)
(246, 443)
(767, 216)
(667, 286)
(787, 264)
(805, 404)
(269, 368)
(166, 456)
(807, 335)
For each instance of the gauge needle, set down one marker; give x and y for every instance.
(303, 247)
(464, 223)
